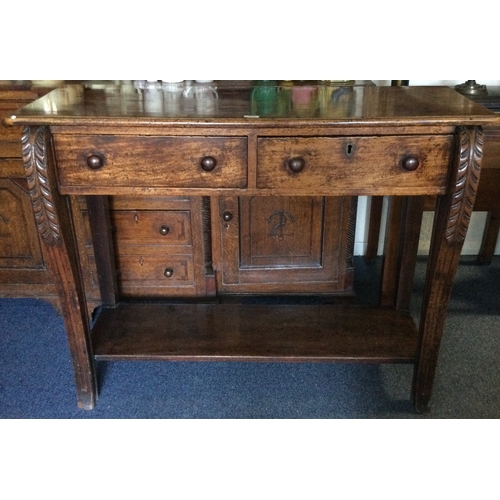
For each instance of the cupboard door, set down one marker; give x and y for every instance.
(285, 244)
(22, 266)
(18, 234)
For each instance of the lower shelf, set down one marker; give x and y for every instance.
(223, 332)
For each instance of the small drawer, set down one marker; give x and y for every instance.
(10, 133)
(151, 161)
(145, 227)
(11, 149)
(18, 95)
(7, 107)
(355, 165)
(12, 167)
(159, 270)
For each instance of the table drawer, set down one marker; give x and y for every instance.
(152, 161)
(355, 163)
(11, 149)
(12, 167)
(10, 133)
(158, 269)
(491, 158)
(7, 107)
(151, 227)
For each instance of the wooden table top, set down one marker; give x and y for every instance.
(250, 103)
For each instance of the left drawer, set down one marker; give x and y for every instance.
(146, 273)
(158, 245)
(111, 161)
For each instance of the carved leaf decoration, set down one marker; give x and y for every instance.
(467, 181)
(34, 147)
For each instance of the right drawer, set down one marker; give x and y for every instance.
(354, 163)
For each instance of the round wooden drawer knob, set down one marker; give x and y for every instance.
(296, 165)
(95, 161)
(410, 163)
(208, 163)
(164, 230)
(169, 272)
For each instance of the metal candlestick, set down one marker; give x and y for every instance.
(470, 87)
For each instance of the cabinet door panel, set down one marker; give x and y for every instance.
(285, 245)
(278, 232)
(20, 247)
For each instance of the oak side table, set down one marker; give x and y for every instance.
(303, 139)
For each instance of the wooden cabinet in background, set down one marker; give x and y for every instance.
(23, 272)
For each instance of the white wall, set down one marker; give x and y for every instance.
(475, 233)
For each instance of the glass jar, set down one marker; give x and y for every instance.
(172, 95)
(152, 96)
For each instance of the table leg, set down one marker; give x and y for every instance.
(410, 236)
(53, 220)
(100, 227)
(376, 204)
(400, 253)
(450, 228)
(390, 261)
(490, 237)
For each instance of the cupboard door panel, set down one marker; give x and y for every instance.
(18, 233)
(278, 232)
(285, 245)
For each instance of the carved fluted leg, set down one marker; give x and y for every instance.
(52, 217)
(450, 228)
